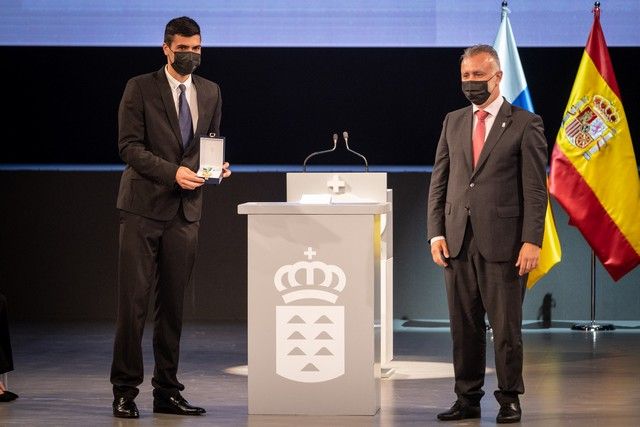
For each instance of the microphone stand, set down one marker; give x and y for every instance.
(345, 135)
(315, 153)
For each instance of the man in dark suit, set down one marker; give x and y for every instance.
(6, 355)
(487, 201)
(161, 117)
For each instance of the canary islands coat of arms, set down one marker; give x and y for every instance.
(310, 338)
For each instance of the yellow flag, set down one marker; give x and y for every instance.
(551, 252)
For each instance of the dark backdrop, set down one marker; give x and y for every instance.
(59, 247)
(279, 104)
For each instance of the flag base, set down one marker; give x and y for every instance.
(593, 326)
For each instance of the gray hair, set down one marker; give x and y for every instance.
(478, 49)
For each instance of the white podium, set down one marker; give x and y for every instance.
(313, 300)
(359, 187)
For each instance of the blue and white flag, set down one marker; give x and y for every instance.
(513, 85)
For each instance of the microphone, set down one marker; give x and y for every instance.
(345, 135)
(315, 153)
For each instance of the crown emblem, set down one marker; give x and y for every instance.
(605, 108)
(309, 280)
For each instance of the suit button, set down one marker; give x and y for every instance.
(471, 185)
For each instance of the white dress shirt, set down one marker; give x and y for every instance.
(190, 93)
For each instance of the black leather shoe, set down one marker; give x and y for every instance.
(175, 405)
(509, 413)
(8, 396)
(459, 412)
(123, 407)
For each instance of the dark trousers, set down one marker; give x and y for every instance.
(153, 256)
(6, 355)
(476, 287)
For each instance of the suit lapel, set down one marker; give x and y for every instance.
(500, 124)
(203, 126)
(465, 129)
(169, 105)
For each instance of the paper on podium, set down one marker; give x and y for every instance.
(336, 199)
(211, 159)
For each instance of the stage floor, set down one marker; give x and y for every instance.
(572, 378)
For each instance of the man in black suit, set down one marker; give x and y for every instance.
(6, 354)
(161, 117)
(487, 202)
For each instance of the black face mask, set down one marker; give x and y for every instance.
(185, 62)
(477, 92)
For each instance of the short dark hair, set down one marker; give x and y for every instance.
(183, 26)
(480, 48)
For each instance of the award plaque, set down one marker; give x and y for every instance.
(211, 159)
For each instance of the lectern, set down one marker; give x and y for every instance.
(313, 300)
(359, 187)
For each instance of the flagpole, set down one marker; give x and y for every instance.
(606, 220)
(593, 326)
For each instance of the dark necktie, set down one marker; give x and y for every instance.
(184, 116)
(479, 135)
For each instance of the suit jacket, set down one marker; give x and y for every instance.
(150, 144)
(6, 355)
(505, 196)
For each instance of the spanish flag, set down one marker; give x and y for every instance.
(594, 175)
(513, 87)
